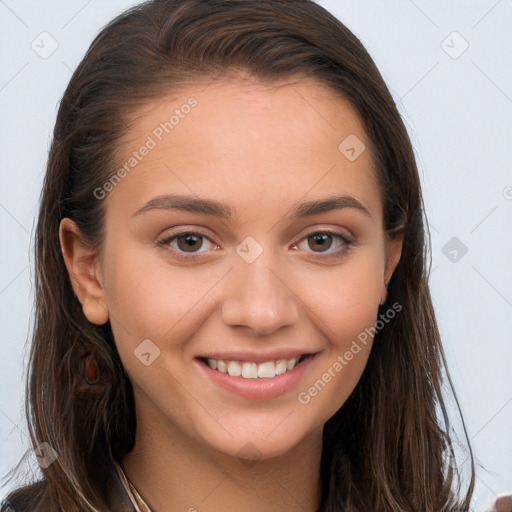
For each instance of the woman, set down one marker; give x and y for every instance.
(232, 305)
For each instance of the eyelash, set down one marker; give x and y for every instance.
(346, 242)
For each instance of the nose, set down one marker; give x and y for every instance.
(260, 298)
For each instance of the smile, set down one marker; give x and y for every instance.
(253, 370)
(256, 380)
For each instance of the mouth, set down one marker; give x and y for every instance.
(255, 370)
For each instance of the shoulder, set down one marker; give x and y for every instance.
(35, 497)
(30, 498)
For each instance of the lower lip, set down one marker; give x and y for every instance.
(258, 389)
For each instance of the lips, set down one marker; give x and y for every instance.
(247, 382)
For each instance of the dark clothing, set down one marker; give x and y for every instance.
(34, 498)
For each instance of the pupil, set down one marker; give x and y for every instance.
(186, 242)
(321, 240)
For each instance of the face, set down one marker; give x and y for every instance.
(246, 235)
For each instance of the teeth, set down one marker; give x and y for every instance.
(267, 370)
(291, 363)
(280, 366)
(251, 370)
(234, 369)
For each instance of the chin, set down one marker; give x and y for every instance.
(251, 447)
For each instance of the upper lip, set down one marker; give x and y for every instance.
(257, 357)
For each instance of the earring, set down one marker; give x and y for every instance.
(90, 369)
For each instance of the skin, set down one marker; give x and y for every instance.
(260, 149)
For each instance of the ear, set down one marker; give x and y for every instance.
(83, 267)
(394, 242)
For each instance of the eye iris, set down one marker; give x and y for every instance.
(322, 240)
(189, 241)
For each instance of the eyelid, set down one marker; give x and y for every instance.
(163, 242)
(346, 243)
(328, 229)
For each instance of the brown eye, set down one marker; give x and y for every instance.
(189, 242)
(320, 242)
(325, 244)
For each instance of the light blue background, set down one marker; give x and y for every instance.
(458, 111)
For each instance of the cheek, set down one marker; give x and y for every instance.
(149, 300)
(344, 300)
(344, 306)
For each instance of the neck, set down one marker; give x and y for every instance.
(171, 472)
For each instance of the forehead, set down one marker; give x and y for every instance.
(239, 138)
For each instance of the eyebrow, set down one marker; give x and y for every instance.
(216, 209)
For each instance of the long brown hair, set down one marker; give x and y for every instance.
(388, 448)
